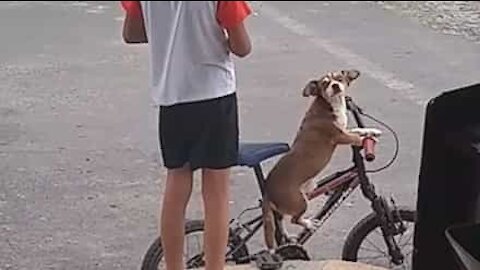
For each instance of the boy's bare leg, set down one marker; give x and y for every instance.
(177, 194)
(216, 194)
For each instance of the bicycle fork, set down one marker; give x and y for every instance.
(388, 215)
(388, 223)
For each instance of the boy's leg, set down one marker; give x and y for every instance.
(177, 194)
(215, 153)
(215, 192)
(174, 134)
(204, 134)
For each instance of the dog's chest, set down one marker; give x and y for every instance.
(340, 112)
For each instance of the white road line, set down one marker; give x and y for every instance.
(405, 88)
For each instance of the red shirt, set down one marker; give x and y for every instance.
(229, 13)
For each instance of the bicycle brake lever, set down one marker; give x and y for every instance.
(351, 105)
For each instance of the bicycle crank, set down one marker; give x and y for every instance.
(292, 252)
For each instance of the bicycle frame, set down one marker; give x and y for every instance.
(338, 186)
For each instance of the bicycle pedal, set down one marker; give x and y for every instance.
(268, 261)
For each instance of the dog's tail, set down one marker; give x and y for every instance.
(268, 223)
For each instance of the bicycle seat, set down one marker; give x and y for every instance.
(251, 154)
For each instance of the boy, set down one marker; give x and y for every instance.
(193, 83)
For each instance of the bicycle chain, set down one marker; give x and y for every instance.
(319, 223)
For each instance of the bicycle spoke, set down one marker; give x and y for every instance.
(368, 249)
(376, 247)
(188, 247)
(406, 242)
(371, 257)
(402, 236)
(193, 250)
(407, 255)
(185, 249)
(199, 246)
(378, 233)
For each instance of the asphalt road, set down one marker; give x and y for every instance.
(80, 172)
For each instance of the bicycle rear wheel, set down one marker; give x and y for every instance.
(193, 254)
(365, 242)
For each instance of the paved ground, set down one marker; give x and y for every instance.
(320, 265)
(80, 173)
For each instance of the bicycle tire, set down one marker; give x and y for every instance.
(364, 227)
(154, 254)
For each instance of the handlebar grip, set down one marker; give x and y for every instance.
(369, 147)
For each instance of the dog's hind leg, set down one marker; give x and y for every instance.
(281, 232)
(298, 217)
(268, 225)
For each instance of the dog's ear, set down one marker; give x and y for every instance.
(315, 87)
(310, 89)
(351, 75)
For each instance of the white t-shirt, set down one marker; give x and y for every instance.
(189, 56)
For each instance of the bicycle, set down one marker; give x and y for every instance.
(391, 220)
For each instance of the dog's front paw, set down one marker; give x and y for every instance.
(367, 132)
(358, 142)
(374, 132)
(358, 131)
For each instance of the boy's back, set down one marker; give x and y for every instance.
(190, 60)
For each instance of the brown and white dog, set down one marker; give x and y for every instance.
(324, 126)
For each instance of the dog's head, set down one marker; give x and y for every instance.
(331, 85)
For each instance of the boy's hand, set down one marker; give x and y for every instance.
(133, 25)
(231, 16)
(239, 41)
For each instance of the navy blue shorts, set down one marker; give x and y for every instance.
(201, 134)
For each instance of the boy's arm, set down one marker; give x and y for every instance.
(239, 41)
(231, 16)
(133, 27)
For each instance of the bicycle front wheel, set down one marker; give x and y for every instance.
(193, 250)
(365, 243)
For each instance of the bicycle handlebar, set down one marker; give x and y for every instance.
(368, 142)
(369, 146)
